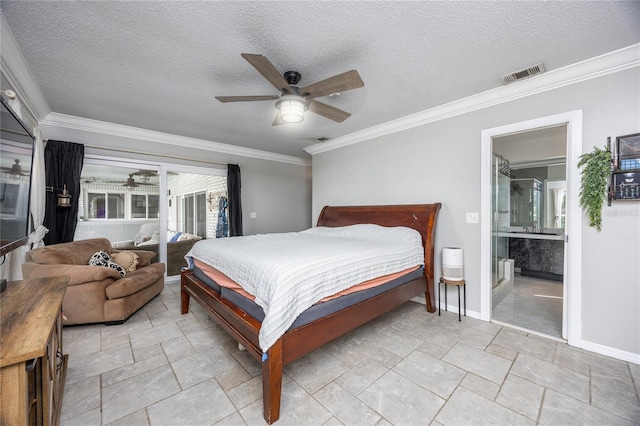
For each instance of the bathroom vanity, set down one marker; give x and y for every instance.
(537, 255)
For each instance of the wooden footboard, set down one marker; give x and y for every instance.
(294, 343)
(302, 340)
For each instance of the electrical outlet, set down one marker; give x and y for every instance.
(473, 217)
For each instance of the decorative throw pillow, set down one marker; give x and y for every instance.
(127, 259)
(102, 258)
(99, 258)
(175, 237)
(185, 237)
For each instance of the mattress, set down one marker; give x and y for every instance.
(272, 267)
(316, 311)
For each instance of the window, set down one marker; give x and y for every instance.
(103, 205)
(144, 206)
(9, 194)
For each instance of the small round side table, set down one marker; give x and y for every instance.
(458, 284)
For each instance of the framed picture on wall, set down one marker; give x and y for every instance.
(626, 186)
(627, 154)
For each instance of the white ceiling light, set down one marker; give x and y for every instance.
(292, 108)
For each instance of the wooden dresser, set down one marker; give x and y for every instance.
(32, 363)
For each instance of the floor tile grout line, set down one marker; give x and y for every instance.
(101, 391)
(544, 395)
(506, 376)
(636, 385)
(521, 378)
(590, 386)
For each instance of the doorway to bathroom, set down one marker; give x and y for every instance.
(529, 211)
(530, 274)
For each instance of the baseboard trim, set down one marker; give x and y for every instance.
(611, 352)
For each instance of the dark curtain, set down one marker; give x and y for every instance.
(235, 205)
(63, 166)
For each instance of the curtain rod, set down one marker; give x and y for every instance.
(157, 155)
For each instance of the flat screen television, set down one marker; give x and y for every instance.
(16, 161)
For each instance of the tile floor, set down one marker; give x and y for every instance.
(533, 304)
(406, 368)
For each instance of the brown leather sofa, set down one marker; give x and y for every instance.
(96, 294)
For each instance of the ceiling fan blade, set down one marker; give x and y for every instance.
(332, 113)
(246, 98)
(143, 172)
(266, 68)
(336, 84)
(277, 121)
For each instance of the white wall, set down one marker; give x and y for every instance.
(279, 194)
(440, 161)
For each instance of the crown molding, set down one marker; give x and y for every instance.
(102, 127)
(599, 66)
(15, 69)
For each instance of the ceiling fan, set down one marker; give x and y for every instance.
(145, 175)
(131, 183)
(293, 101)
(16, 169)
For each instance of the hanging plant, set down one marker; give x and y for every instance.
(595, 178)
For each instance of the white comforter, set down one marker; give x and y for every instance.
(289, 272)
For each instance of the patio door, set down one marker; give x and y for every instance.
(192, 211)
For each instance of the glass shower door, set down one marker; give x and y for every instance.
(500, 201)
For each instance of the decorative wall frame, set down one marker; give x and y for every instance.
(626, 186)
(627, 153)
(625, 176)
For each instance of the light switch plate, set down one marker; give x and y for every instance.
(253, 215)
(473, 217)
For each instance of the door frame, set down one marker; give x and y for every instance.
(572, 289)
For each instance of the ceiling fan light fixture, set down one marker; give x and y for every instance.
(292, 108)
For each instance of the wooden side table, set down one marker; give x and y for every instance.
(458, 284)
(33, 365)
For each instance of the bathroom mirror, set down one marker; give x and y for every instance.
(526, 202)
(538, 197)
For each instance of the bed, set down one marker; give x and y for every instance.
(300, 340)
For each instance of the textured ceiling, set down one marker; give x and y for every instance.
(158, 64)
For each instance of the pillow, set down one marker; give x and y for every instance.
(127, 259)
(175, 237)
(99, 258)
(145, 257)
(145, 232)
(102, 258)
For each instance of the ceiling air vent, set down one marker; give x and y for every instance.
(522, 74)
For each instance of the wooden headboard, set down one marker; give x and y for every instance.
(421, 217)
